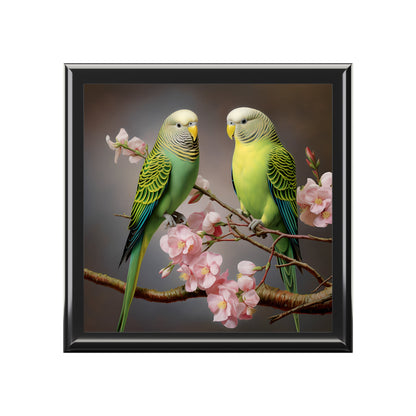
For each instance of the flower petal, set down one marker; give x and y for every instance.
(307, 217)
(111, 144)
(326, 179)
(122, 136)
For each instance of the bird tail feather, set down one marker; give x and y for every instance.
(289, 278)
(136, 259)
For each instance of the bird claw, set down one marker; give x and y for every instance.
(179, 217)
(170, 220)
(244, 213)
(253, 225)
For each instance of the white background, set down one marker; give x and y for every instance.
(37, 38)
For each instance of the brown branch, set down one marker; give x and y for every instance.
(268, 262)
(269, 296)
(264, 230)
(311, 303)
(297, 309)
(282, 256)
(321, 284)
(223, 204)
(260, 228)
(168, 296)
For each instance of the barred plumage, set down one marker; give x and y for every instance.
(264, 179)
(167, 176)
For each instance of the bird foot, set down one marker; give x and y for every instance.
(170, 220)
(253, 225)
(244, 213)
(179, 217)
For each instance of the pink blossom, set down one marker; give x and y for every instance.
(195, 194)
(246, 267)
(208, 225)
(121, 138)
(222, 280)
(206, 268)
(195, 221)
(136, 144)
(165, 272)
(191, 281)
(224, 284)
(205, 221)
(307, 217)
(251, 298)
(324, 218)
(316, 201)
(307, 194)
(246, 283)
(181, 244)
(225, 306)
(247, 313)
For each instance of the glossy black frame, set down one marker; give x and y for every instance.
(339, 75)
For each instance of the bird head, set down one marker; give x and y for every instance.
(182, 126)
(247, 124)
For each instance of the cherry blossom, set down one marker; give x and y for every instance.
(206, 268)
(165, 272)
(195, 194)
(191, 282)
(246, 283)
(225, 305)
(324, 218)
(206, 221)
(247, 313)
(181, 244)
(251, 298)
(247, 268)
(121, 138)
(136, 144)
(316, 201)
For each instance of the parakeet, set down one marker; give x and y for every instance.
(264, 179)
(166, 178)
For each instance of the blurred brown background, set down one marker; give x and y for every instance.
(302, 114)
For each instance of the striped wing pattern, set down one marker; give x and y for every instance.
(153, 179)
(281, 176)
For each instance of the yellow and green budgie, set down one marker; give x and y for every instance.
(166, 178)
(264, 179)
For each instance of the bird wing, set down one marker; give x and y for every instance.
(232, 180)
(281, 177)
(153, 181)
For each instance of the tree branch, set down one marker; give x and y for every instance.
(298, 263)
(261, 228)
(269, 296)
(299, 308)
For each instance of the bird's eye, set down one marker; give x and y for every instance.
(192, 123)
(179, 125)
(244, 121)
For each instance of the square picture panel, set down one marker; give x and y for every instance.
(221, 195)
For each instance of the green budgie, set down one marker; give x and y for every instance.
(167, 177)
(264, 179)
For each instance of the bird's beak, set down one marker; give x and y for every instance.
(194, 132)
(230, 130)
